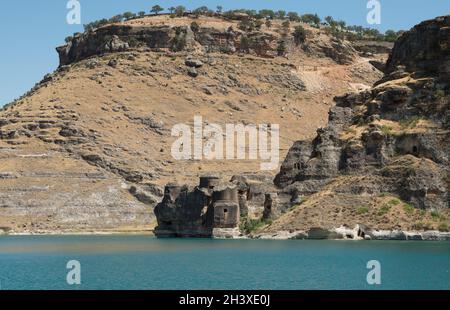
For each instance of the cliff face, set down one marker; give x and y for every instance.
(392, 140)
(208, 38)
(424, 48)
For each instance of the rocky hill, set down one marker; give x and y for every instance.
(382, 162)
(88, 148)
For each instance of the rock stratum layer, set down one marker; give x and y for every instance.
(88, 148)
(383, 159)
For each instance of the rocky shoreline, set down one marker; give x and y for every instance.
(343, 233)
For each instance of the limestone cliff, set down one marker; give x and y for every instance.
(383, 159)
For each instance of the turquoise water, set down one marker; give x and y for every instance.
(142, 262)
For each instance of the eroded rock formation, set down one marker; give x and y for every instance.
(119, 38)
(397, 132)
(199, 212)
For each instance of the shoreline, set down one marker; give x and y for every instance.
(81, 233)
(360, 233)
(313, 234)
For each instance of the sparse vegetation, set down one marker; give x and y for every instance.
(259, 23)
(312, 19)
(203, 10)
(443, 227)
(281, 48)
(128, 15)
(246, 25)
(384, 210)
(293, 17)
(195, 27)
(409, 209)
(256, 19)
(179, 11)
(245, 44)
(387, 130)
(299, 35)
(410, 122)
(435, 215)
(394, 202)
(362, 210)
(156, 9)
(286, 25)
(250, 225)
(439, 93)
(179, 42)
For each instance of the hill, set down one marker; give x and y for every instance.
(88, 148)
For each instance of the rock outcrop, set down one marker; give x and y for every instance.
(424, 49)
(197, 213)
(394, 138)
(122, 37)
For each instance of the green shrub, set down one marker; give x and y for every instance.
(384, 210)
(179, 42)
(293, 16)
(179, 10)
(156, 9)
(128, 15)
(299, 35)
(443, 227)
(439, 93)
(435, 215)
(281, 48)
(251, 225)
(387, 130)
(409, 209)
(394, 202)
(286, 24)
(195, 27)
(245, 44)
(362, 210)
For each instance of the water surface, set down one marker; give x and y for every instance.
(143, 262)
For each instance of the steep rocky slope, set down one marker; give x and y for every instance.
(383, 159)
(89, 147)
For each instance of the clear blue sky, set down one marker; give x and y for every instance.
(30, 30)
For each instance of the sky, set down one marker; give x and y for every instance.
(30, 30)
